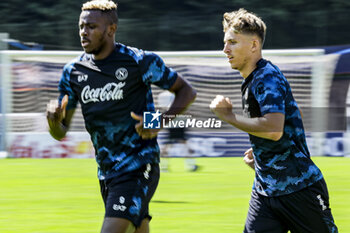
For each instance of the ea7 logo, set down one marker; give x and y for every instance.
(117, 207)
(324, 207)
(82, 77)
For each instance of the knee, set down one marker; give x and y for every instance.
(117, 225)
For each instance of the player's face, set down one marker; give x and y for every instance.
(93, 31)
(237, 47)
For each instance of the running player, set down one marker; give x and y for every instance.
(176, 140)
(112, 83)
(289, 191)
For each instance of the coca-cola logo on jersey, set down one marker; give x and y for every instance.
(111, 91)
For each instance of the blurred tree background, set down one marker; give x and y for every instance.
(182, 24)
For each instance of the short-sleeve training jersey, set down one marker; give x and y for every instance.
(108, 90)
(283, 166)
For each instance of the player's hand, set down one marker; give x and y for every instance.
(55, 112)
(249, 158)
(144, 133)
(222, 107)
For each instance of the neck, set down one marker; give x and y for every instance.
(250, 67)
(105, 52)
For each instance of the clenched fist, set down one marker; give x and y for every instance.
(55, 112)
(222, 107)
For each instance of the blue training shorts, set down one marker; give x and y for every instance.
(128, 196)
(305, 211)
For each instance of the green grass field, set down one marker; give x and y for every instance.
(62, 196)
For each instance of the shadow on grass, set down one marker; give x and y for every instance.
(170, 202)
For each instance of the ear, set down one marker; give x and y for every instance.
(255, 44)
(112, 29)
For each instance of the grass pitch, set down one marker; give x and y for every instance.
(62, 196)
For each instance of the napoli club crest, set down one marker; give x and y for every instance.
(121, 74)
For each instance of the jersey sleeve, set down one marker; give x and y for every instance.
(270, 93)
(64, 88)
(154, 71)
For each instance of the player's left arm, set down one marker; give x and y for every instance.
(154, 71)
(184, 96)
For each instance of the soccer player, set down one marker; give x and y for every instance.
(176, 136)
(112, 83)
(289, 191)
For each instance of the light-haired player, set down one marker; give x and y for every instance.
(112, 83)
(289, 191)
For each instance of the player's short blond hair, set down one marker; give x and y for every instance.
(242, 21)
(107, 7)
(102, 5)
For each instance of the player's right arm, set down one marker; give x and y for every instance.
(59, 112)
(269, 126)
(58, 118)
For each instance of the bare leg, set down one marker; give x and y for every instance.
(164, 159)
(144, 228)
(117, 225)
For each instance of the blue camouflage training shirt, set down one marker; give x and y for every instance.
(108, 90)
(283, 166)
